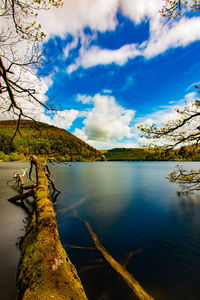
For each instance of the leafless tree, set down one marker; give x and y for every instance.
(185, 129)
(20, 56)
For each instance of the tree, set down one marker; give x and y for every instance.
(182, 131)
(175, 8)
(20, 55)
(185, 129)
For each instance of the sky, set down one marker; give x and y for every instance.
(115, 64)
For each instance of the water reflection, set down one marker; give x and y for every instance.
(187, 207)
(130, 205)
(12, 227)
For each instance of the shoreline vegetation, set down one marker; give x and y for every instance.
(43, 140)
(50, 143)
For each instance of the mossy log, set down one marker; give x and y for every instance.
(45, 271)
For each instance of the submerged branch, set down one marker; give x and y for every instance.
(128, 256)
(128, 278)
(74, 205)
(78, 247)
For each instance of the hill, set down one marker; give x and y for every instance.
(191, 153)
(43, 139)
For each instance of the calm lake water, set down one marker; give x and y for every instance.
(130, 206)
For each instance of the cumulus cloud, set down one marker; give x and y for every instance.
(106, 122)
(107, 119)
(104, 144)
(62, 119)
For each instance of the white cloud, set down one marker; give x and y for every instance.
(71, 46)
(101, 15)
(85, 99)
(163, 36)
(27, 79)
(139, 10)
(104, 144)
(98, 15)
(71, 68)
(65, 118)
(193, 85)
(34, 109)
(97, 56)
(75, 15)
(62, 119)
(47, 81)
(180, 34)
(190, 97)
(107, 119)
(107, 92)
(169, 115)
(106, 123)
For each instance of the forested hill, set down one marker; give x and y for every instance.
(47, 140)
(43, 139)
(189, 153)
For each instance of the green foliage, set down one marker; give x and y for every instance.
(184, 153)
(45, 141)
(13, 156)
(3, 156)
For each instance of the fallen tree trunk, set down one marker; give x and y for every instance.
(45, 271)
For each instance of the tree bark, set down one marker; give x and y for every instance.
(45, 271)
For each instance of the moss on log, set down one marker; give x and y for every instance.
(45, 271)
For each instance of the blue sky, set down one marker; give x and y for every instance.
(117, 63)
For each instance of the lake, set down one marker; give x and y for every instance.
(130, 206)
